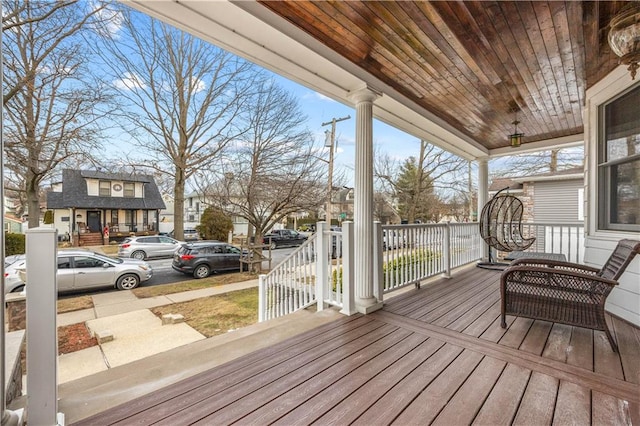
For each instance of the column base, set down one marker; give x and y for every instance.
(367, 306)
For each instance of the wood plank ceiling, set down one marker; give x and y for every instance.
(474, 63)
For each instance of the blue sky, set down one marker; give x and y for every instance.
(321, 109)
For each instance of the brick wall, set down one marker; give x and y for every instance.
(527, 202)
(16, 312)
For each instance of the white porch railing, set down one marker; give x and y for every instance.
(320, 271)
(413, 253)
(289, 286)
(564, 238)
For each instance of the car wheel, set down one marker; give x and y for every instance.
(18, 289)
(201, 271)
(127, 282)
(273, 246)
(139, 254)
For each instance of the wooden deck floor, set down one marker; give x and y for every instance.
(436, 355)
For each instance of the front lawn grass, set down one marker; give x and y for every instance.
(211, 281)
(217, 314)
(74, 304)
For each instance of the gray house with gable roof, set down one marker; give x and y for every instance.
(87, 203)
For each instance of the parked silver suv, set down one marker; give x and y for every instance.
(82, 269)
(190, 234)
(148, 246)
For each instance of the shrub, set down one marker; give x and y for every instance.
(48, 217)
(410, 260)
(214, 224)
(14, 244)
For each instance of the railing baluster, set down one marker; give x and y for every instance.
(413, 253)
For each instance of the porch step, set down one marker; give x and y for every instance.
(91, 239)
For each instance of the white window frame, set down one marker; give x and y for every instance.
(611, 86)
(606, 169)
(127, 188)
(104, 185)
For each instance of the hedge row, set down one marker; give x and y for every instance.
(14, 244)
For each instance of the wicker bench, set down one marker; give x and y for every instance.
(564, 292)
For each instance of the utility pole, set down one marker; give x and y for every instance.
(329, 142)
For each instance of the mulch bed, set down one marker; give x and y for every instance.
(74, 337)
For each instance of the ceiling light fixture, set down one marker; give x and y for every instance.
(515, 139)
(624, 36)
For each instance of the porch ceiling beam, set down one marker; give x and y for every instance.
(545, 145)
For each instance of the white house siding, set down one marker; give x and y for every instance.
(624, 300)
(557, 201)
(62, 219)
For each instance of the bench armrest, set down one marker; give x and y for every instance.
(558, 264)
(552, 279)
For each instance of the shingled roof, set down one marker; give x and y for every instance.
(74, 192)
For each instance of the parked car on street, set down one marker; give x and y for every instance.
(190, 234)
(12, 266)
(83, 269)
(284, 238)
(392, 239)
(201, 258)
(145, 247)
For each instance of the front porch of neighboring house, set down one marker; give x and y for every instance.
(104, 226)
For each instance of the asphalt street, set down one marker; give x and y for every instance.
(164, 274)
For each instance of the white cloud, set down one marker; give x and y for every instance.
(323, 97)
(199, 86)
(110, 21)
(316, 96)
(129, 81)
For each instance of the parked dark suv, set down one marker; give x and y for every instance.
(201, 258)
(284, 238)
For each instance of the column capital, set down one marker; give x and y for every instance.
(364, 94)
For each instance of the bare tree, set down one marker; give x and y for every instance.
(383, 209)
(417, 182)
(272, 171)
(539, 162)
(18, 13)
(53, 103)
(183, 98)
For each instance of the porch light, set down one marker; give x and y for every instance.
(624, 36)
(515, 139)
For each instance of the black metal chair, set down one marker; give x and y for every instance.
(501, 227)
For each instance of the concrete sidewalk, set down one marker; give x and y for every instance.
(137, 333)
(120, 302)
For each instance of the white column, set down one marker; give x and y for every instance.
(483, 195)
(323, 263)
(348, 301)
(42, 334)
(366, 302)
